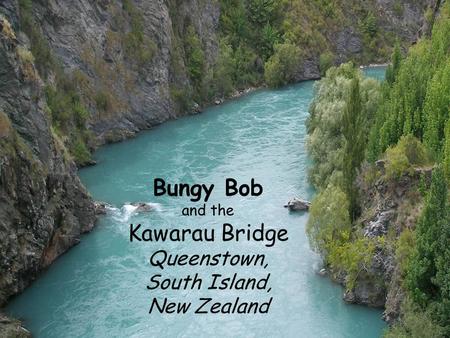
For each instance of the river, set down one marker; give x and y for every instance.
(98, 289)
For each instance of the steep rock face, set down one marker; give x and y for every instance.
(94, 40)
(389, 207)
(351, 39)
(140, 80)
(43, 206)
(403, 18)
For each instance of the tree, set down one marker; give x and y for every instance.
(280, 68)
(223, 70)
(446, 160)
(436, 108)
(195, 56)
(428, 278)
(329, 222)
(392, 70)
(353, 126)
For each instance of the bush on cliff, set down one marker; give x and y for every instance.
(281, 67)
(329, 221)
(404, 156)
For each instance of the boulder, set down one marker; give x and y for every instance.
(100, 208)
(322, 272)
(298, 204)
(142, 206)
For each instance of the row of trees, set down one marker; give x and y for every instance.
(405, 121)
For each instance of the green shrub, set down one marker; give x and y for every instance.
(398, 8)
(326, 61)
(260, 11)
(245, 72)
(269, 38)
(397, 163)
(405, 249)
(415, 323)
(329, 221)
(223, 70)
(81, 154)
(103, 101)
(281, 66)
(195, 58)
(403, 157)
(182, 98)
(5, 125)
(369, 25)
(353, 257)
(138, 47)
(39, 45)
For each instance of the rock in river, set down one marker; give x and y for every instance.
(143, 206)
(100, 208)
(298, 204)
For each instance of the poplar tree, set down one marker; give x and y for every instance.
(428, 277)
(392, 69)
(446, 160)
(353, 122)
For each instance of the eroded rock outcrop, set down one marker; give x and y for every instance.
(138, 80)
(389, 207)
(43, 206)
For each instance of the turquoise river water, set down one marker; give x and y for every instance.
(98, 289)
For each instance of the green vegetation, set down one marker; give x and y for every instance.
(415, 324)
(195, 58)
(329, 222)
(408, 153)
(405, 121)
(446, 160)
(281, 66)
(329, 231)
(326, 61)
(70, 95)
(404, 249)
(273, 38)
(5, 125)
(68, 112)
(354, 257)
(327, 139)
(353, 132)
(39, 46)
(392, 69)
(137, 46)
(416, 98)
(428, 276)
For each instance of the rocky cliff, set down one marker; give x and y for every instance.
(44, 208)
(390, 210)
(125, 57)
